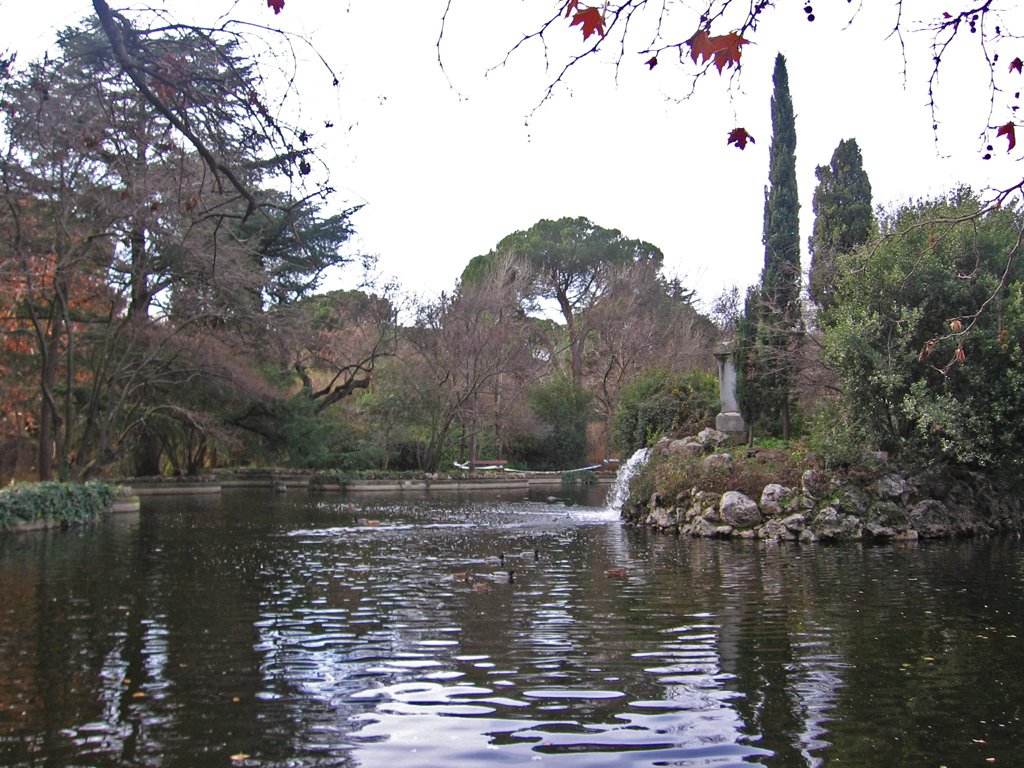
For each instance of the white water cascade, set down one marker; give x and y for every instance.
(619, 491)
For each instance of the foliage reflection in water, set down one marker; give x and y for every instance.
(298, 630)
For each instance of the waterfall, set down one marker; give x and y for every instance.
(619, 491)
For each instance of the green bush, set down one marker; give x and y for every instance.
(660, 401)
(748, 473)
(586, 477)
(565, 410)
(926, 332)
(66, 502)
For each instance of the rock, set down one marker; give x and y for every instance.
(851, 501)
(878, 531)
(739, 510)
(888, 514)
(777, 500)
(832, 525)
(712, 438)
(812, 484)
(717, 462)
(663, 518)
(694, 449)
(891, 486)
(775, 530)
(807, 536)
(675, 448)
(702, 528)
(796, 522)
(932, 519)
(661, 447)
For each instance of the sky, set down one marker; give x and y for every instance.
(447, 160)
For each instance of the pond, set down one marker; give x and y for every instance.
(301, 630)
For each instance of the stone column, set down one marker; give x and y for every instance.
(729, 419)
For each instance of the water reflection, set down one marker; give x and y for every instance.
(298, 631)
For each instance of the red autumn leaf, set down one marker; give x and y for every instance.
(1010, 133)
(1018, 65)
(700, 46)
(740, 137)
(724, 50)
(277, 5)
(571, 6)
(651, 62)
(591, 19)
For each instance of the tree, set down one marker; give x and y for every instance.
(711, 36)
(335, 342)
(641, 321)
(148, 47)
(124, 245)
(572, 263)
(843, 217)
(925, 334)
(464, 347)
(559, 440)
(780, 280)
(772, 314)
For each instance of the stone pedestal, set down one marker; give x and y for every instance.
(729, 419)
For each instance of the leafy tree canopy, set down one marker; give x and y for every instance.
(926, 333)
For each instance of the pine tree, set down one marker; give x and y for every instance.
(843, 219)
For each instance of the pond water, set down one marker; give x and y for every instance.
(296, 630)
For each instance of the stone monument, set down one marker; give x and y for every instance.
(729, 419)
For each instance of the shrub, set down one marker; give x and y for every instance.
(564, 409)
(659, 401)
(66, 502)
(748, 473)
(926, 332)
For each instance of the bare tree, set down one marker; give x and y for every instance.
(638, 323)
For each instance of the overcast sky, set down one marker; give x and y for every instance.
(447, 162)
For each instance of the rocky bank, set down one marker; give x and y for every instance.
(885, 504)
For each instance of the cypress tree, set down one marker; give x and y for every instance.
(780, 280)
(771, 328)
(843, 219)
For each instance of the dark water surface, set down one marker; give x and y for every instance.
(286, 631)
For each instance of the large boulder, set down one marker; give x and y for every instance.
(892, 486)
(663, 518)
(932, 519)
(778, 500)
(832, 525)
(717, 462)
(812, 484)
(712, 439)
(739, 510)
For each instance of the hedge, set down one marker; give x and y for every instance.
(65, 503)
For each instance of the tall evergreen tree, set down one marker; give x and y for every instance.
(843, 218)
(780, 280)
(771, 327)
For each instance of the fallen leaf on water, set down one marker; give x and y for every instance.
(239, 757)
(138, 695)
